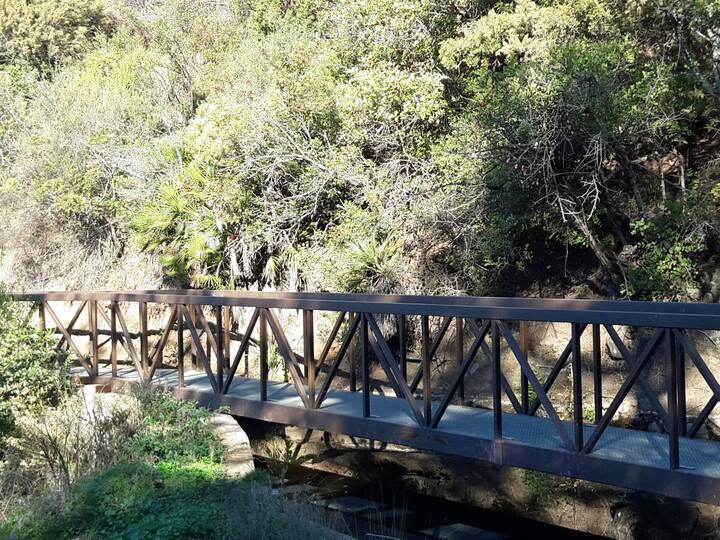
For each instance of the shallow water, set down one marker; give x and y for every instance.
(377, 510)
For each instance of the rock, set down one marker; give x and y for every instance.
(239, 460)
(640, 516)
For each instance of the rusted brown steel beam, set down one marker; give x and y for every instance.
(402, 344)
(525, 348)
(597, 372)
(69, 340)
(289, 357)
(180, 347)
(459, 356)
(41, 316)
(622, 392)
(157, 355)
(219, 339)
(263, 331)
(309, 354)
(127, 342)
(330, 340)
(689, 348)
(460, 374)
(651, 314)
(353, 354)
(672, 392)
(227, 334)
(112, 323)
(72, 322)
(425, 368)
(552, 377)
(576, 331)
(201, 353)
(243, 347)
(391, 368)
(434, 345)
(533, 380)
(630, 360)
(489, 354)
(344, 348)
(94, 348)
(142, 316)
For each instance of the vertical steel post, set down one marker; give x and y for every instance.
(193, 348)
(577, 386)
(459, 356)
(352, 353)
(113, 339)
(427, 387)
(309, 354)
(681, 389)
(402, 344)
(180, 348)
(672, 392)
(228, 320)
(597, 372)
(94, 351)
(220, 343)
(365, 361)
(41, 315)
(524, 388)
(496, 382)
(263, 354)
(142, 306)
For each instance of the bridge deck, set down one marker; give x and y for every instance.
(621, 457)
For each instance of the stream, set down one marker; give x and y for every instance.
(380, 510)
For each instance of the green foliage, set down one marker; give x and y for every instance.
(667, 254)
(283, 143)
(175, 430)
(172, 500)
(32, 372)
(538, 484)
(44, 32)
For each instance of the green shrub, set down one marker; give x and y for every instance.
(667, 253)
(46, 31)
(32, 371)
(137, 500)
(172, 429)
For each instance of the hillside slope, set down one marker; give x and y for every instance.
(460, 147)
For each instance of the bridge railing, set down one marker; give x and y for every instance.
(490, 323)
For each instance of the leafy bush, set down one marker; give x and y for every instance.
(46, 31)
(670, 245)
(138, 500)
(173, 429)
(32, 371)
(505, 142)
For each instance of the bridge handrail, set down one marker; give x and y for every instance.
(683, 315)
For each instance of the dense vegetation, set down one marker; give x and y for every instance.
(466, 146)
